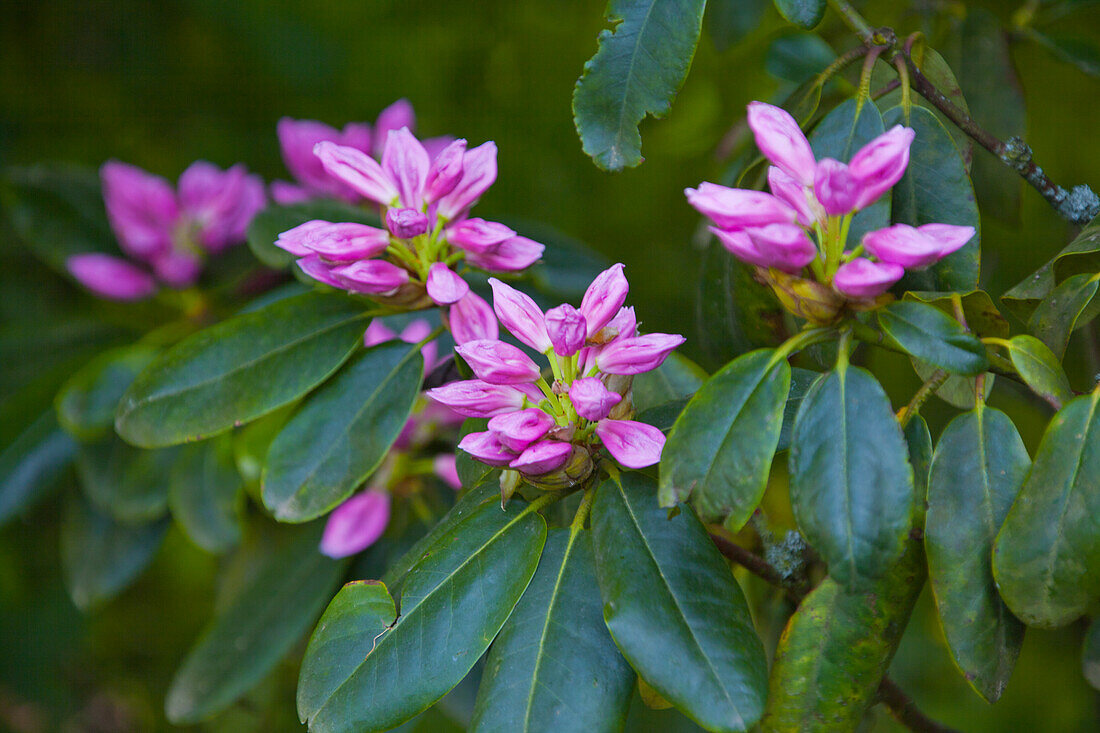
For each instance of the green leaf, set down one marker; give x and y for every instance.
(797, 57)
(554, 667)
(936, 188)
(284, 591)
(728, 21)
(1040, 369)
(267, 225)
(637, 71)
(934, 337)
(720, 450)
(982, 316)
(87, 402)
(452, 603)
(205, 494)
(128, 483)
(677, 378)
(1090, 655)
(1082, 255)
(240, 369)
(1069, 306)
(31, 465)
(341, 433)
(960, 392)
(851, 483)
(99, 556)
(979, 466)
(1047, 555)
(674, 609)
(801, 381)
(472, 472)
(803, 13)
(1080, 52)
(663, 416)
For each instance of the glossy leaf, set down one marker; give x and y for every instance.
(979, 466)
(1040, 369)
(240, 369)
(284, 592)
(1047, 554)
(982, 316)
(87, 402)
(1090, 655)
(31, 465)
(267, 225)
(341, 433)
(1082, 255)
(554, 667)
(452, 603)
(803, 13)
(719, 452)
(932, 336)
(1069, 306)
(674, 609)
(801, 381)
(960, 392)
(797, 57)
(205, 494)
(100, 556)
(637, 71)
(728, 21)
(128, 483)
(663, 416)
(851, 482)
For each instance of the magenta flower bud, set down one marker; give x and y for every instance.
(445, 467)
(782, 142)
(741, 246)
(881, 163)
(296, 141)
(406, 162)
(293, 240)
(377, 333)
(287, 194)
(475, 398)
(592, 400)
(436, 145)
(417, 331)
(397, 115)
(141, 208)
(543, 457)
(406, 223)
(178, 269)
(221, 203)
(487, 448)
(903, 245)
(444, 285)
(784, 246)
(111, 277)
(356, 524)
(795, 195)
(445, 171)
(737, 208)
(604, 297)
(471, 318)
(479, 170)
(478, 236)
(337, 243)
(835, 187)
(862, 279)
(511, 255)
(638, 354)
(497, 362)
(517, 430)
(951, 237)
(358, 135)
(623, 325)
(566, 328)
(320, 271)
(371, 277)
(520, 315)
(358, 170)
(632, 444)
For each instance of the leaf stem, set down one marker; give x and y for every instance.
(923, 392)
(582, 511)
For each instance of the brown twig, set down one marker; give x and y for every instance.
(906, 711)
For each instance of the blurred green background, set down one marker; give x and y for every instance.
(162, 84)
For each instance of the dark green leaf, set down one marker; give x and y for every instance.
(720, 450)
(1082, 255)
(99, 556)
(1069, 306)
(205, 494)
(1090, 655)
(1047, 555)
(637, 71)
(728, 21)
(801, 381)
(960, 392)
(1080, 52)
(982, 316)
(128, 483)
(240, 369)
(932, 336)
(554, 667)
(663, 416)
(284, 591)
(452, 603)
(677, 378)
(1039, 368)
(341, 433)
(674, 609)
(979, 466)
(851, 483)
(274, 220)
(803, 13)
(797, 57)
(87, 402)
(31, 466)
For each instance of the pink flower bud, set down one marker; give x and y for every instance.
(632, 444)
(479, 170)
(520, 315)
(517, 430)
(741, 246)
(293, 240)
(445, 171)
(219, 203)
(445, 467)
(406, 162)
(785, 247)
(377, 333)
(472, 318)
(881, 163)
(358, 135)
(397, 115)
(296, 141)
(337, 243)
(141, 208)
(475, 398)
(623, 325)
(444, 286)
(566, 328)
(287, 194)
(604, 297)
(835, 187)
(111, 277)
(543, 457)
(737, 208)
(511, 255)
(358, 170)
(356, 524)
(320, 271)
(795, 195)
(406, 223)
(478, 236)
(371, 277)
(782, 142)
(951, 237)
(862, 279)
(592, 400)
(903, 245)
(497, 362)
(638, 354)
(487, 448)
(417, 331)
(178, 269)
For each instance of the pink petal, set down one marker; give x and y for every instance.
(736, 208)
(444, 286)
(862, 279)
(397, 115)
(632, 444)
(592, 399)
(520, 315)
(475, 398)
(446, 468)
(371, 277)
(543, 457)
(111, 277)
(141, 207)
(356, 524)
(603, 298)
(782, 141)
(406, 163)
(511, 255)
(472, 318)
(358, 170)
(479, 171)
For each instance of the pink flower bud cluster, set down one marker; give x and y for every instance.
(810, 204)
(551, 432)
(165, 233)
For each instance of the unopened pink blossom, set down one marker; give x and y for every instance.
(638, 354)
(475, 398)
(358, 170)
(176, 268)
(835, 187)
(951, 237)
(293, 240)
(511, 255)
(782, 141)
(406, 223)
(520, 315)
(406, 162)
(342, 242)
(497, 362)
(567, 329)
(794, 194)
(446, 468)
(356, 524)
(320, 271)
(517, 430)
(604, 297)
(543, 457)
(478, 236)
(296, 141)
(784, 246)
(903, 245)
(371, 277)
(141, 208)
(444, 286)
(881, 163)
(479, 171)
(394, 117)
(487, 448)
(740, 245)
(632, 444)
(592, 399)
(445, 172)
(862, 279)
(472, 318)
(111, 277)
(737, 208)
